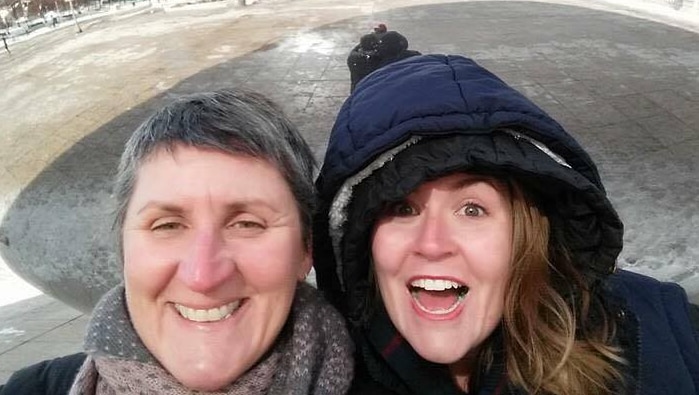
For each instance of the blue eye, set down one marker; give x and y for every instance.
(472, 210)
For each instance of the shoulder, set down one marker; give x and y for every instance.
(650, 298)
(647, 293)
(53, 376)
(665, 330)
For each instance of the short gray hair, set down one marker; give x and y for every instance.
(234, 121)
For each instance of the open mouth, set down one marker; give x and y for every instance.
(208, 315)
(437, 296)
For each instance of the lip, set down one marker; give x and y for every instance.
(435, 317)
(177, 307)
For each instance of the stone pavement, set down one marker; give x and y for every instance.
(36, 329)
(626, 87)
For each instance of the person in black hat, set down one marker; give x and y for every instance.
(375, 50)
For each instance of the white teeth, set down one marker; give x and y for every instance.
(434, 285)
(210, 315)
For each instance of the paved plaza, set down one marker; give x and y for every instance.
(623, 80)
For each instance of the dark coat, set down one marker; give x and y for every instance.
(52, 377)
(465, 117)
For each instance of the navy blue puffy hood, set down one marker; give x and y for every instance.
(427, 116)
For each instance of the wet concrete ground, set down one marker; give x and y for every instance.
(627, 88)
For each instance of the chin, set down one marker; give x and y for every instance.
(442, 353)
(204, 382)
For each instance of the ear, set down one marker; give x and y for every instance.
(306, 263)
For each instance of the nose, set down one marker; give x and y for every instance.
(205, 267)
(433, 239)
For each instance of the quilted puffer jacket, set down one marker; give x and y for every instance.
(427, 116)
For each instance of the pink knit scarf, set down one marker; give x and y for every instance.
(312, 355)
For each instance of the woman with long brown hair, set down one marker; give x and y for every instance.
(469, 241)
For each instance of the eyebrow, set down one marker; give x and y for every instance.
(468, 180)
(160, 206)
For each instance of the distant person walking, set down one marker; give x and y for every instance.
(376, 50)
(4, 42)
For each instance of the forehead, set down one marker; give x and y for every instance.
(176, 150)
(193, 171)
(183, 155)
(464, 180)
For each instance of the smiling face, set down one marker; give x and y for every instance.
(213, 250)
(442, 260)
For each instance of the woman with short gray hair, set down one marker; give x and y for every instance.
(214, 204)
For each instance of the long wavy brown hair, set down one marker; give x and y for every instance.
(558, 335)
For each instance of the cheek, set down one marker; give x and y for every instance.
(494, 253)
(271, 263)
(147, 268)
(496, 262)
(386, 251)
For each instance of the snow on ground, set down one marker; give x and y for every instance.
(14, 289)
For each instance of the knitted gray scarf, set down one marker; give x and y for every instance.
(312, 355)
